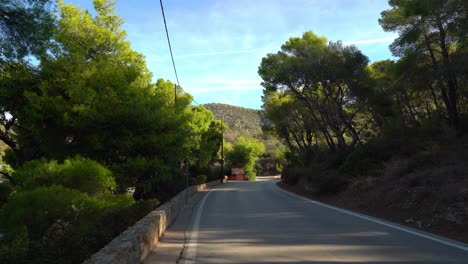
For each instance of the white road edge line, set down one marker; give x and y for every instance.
(381, 222)
(190, 254)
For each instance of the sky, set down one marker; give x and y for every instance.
(218, 44)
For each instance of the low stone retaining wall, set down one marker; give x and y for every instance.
(135, 243)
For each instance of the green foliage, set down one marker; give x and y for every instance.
(239, 120)
(76, 173)
(51, 215)
(87, 235)
(63, 225)
(38, 209)
(5, 191)
(90, 94)
(213, 172)
(251, 175)
(317, 178)
(244, 153)
(432, 38)
(323, 99)
(200, 179)
(205, 138)
(315, 91)
(329, 182)
(26, 28)
(94, 97)
(14, 250)
(290, 175)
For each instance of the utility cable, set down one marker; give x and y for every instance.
(170, 50)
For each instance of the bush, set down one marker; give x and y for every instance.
(55, 224)
(290, 176)
(15, 249)
(5, 191)
(38, 209)
(213, 173)
(251, 176)
(88, 235)
(329, 182)
(77, 173)
(200, 179)
(245, 152)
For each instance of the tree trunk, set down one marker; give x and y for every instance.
(449, 76)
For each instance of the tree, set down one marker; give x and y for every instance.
(436, 31)
(244, 153)
(26, 30)
(94, 97)
(290, 120)
(205, 138)
(329, 80)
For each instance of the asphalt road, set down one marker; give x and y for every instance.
(257, 222)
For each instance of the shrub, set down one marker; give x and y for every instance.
(55, 224)
(89, 234)
(245, 152)
(38, 209)
(213, 172)
(279, 167)
(251, 176)
(200, 179)
(362, 184)
(329, 182)
(77, 173)
(5, 191)
(290, 176)
(15, 249)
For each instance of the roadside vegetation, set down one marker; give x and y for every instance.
(244, 153)
(390, 137)
(246, 125)
(91, 144)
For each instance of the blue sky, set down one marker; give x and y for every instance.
(218, 44)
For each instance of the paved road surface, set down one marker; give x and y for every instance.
(256, 222)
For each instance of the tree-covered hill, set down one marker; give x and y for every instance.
(241, 121)
(247, 123)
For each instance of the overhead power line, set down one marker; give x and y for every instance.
(170, 50)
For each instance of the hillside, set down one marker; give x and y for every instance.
(241, 121)
(247, 123)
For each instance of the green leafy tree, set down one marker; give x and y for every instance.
(205, 138)
(26, 30)
(291, 122)
(78, 173)
(244, 153)
(330, 80)
(94, 98)
(436, 32)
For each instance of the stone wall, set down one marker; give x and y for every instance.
(135, 243)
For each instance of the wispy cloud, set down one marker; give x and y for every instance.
(371, 41)
(218, 45)
(216, 53)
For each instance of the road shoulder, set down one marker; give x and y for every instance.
(172, 243)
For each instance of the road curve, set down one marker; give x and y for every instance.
(257, 222)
